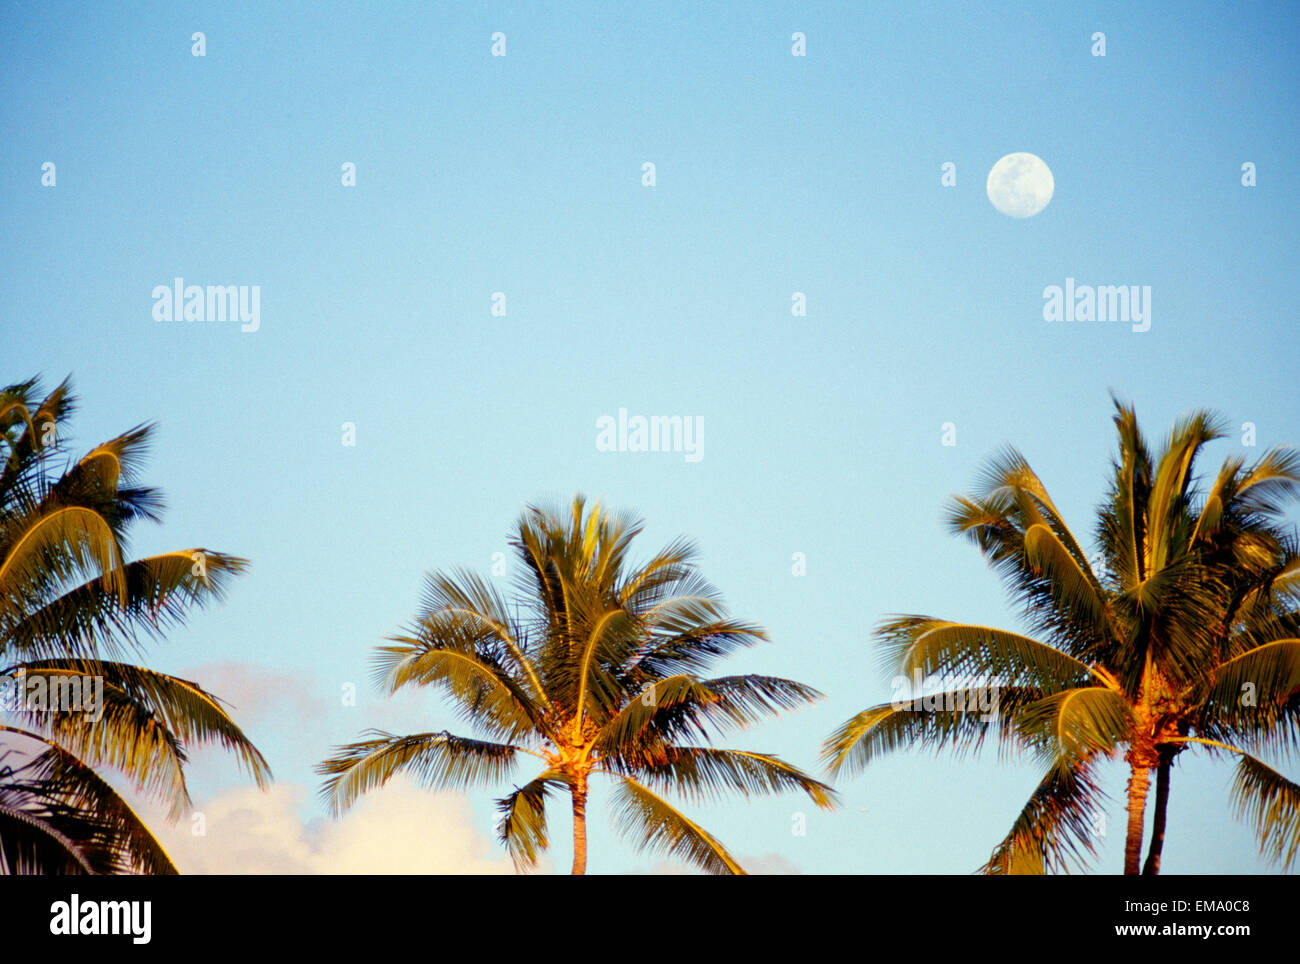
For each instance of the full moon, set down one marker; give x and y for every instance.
(1020, 185)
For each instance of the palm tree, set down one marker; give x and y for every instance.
(71, 611)
(596, 674)
(1182, 633)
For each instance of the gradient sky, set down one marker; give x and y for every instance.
(522, 174)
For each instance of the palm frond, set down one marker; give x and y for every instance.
(522, 828)
(44, 552)
(959, 720)
(1271, 485)
(682, 706)
(1250, 691)
(31, 844)
(438, 760)
(936, 646)
(180, 706)
(1271, 803)
(1056, 829)
(485, 693)
(693, 648)
(124, 734)
(656, 826)
(705, 774)
(112, 835)
(1075, 725)
(93, 619)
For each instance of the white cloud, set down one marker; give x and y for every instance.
(254, 692)
(400, 829)
(770, 864)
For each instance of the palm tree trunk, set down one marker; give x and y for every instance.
(580, 826)
(1138, 782)
(1152, 866)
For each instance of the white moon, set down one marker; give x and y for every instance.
(1020, 185)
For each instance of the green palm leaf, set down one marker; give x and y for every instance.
(656, 826)
(438, 760)
(959, 720)
(1271, 803)
(47, 551)
(92, 618)
(1077, 724)
(935, 646)
(705, 774)
(522, 829)
(683, 707)
(1057, 827)
(484, 691)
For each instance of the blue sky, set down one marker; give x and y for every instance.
(522, 174)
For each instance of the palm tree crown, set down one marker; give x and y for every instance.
(1182, 632)
(71, 610)
(596, 672)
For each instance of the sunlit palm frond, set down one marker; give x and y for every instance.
(1271, 485)
(437, 760)
(1252, 689)
(1058, 827)
(93, 619)
(485, 693)
(959, 720)
(591, 684)
(40, 555)
(705, 774)
(655, 826)
(1271, 803)
(1069, 727)
(180, 706)
(936, 646)
(522, 827)
(125, 735)
(659, 578)
(693, 649)
(682, 706)
(1166, 507)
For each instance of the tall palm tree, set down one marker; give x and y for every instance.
(72, 610)
(595, 671)
(1183, 633)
